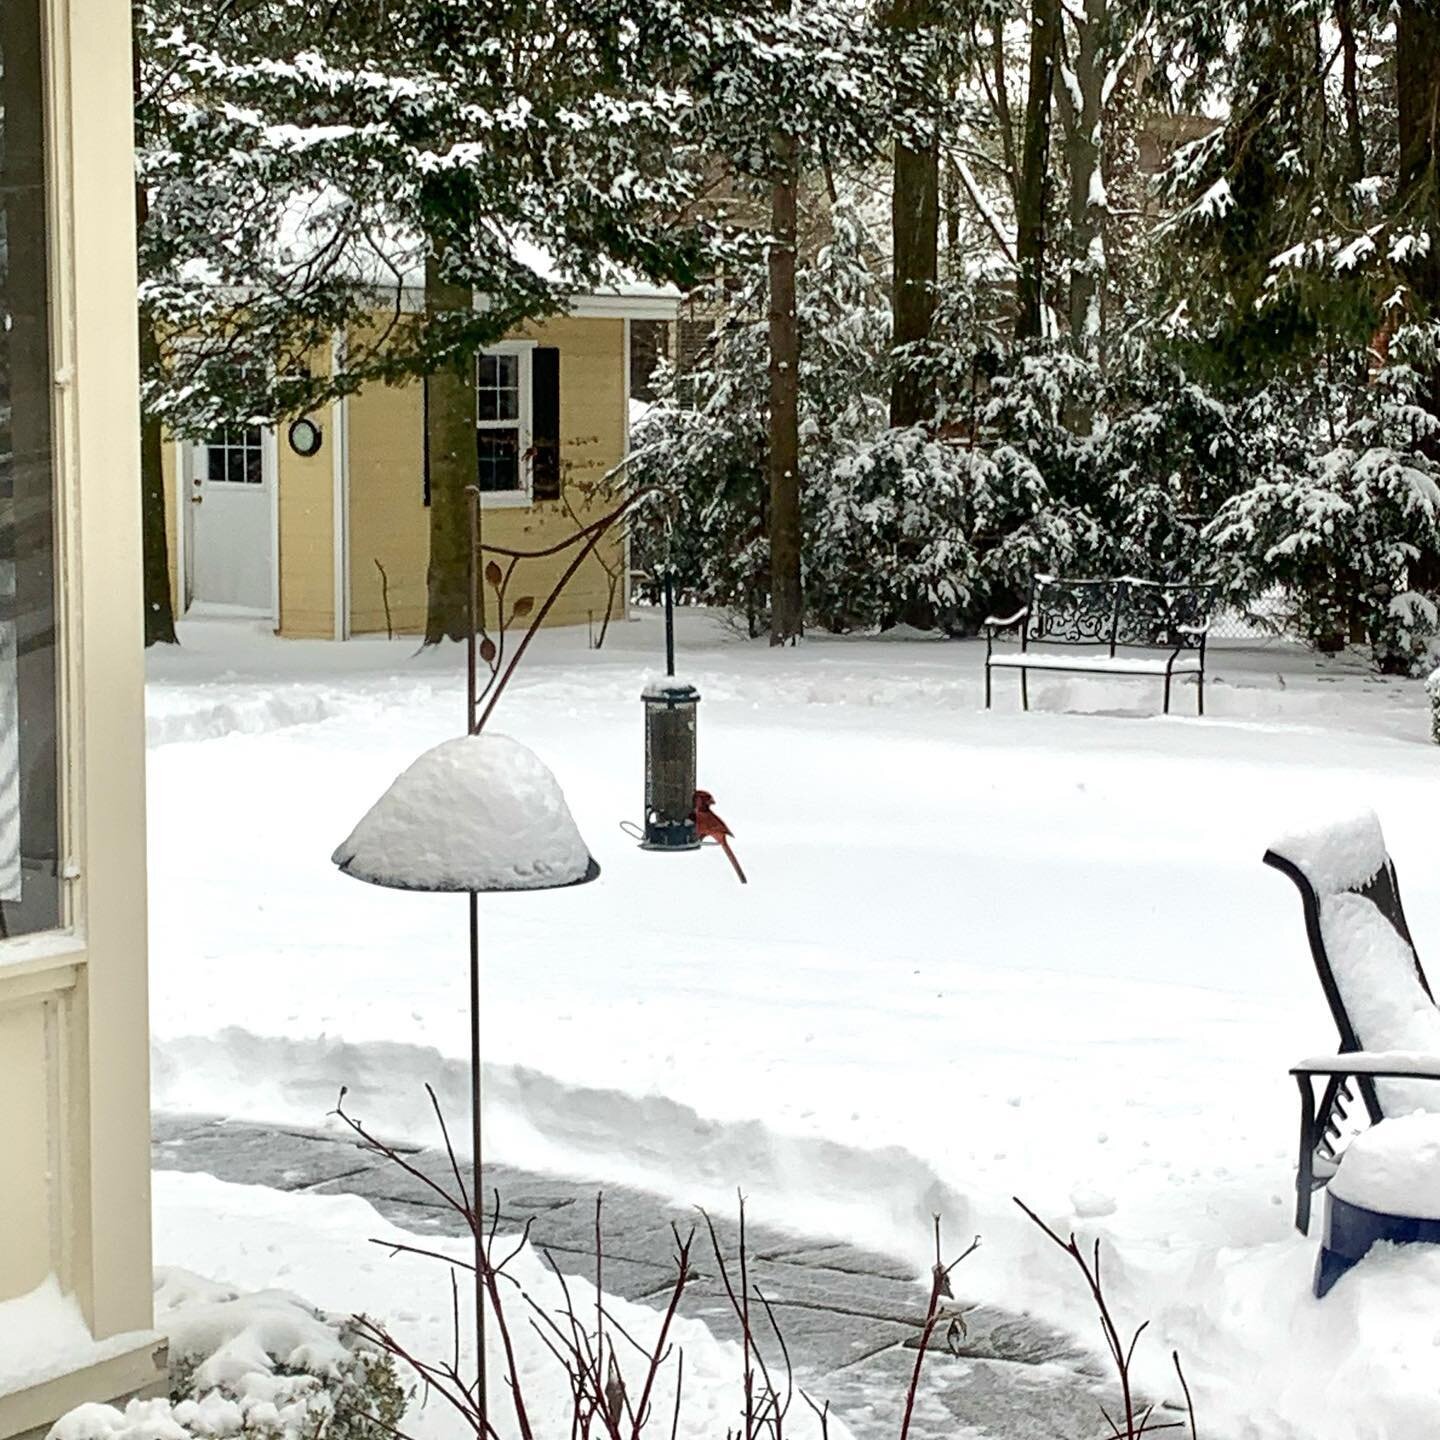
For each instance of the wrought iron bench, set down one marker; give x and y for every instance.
(1094, 620)
(1376, 988)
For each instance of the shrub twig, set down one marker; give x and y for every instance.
(1122, 1355)
(940, 1289)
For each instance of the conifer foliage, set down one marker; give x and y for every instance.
(991, 286)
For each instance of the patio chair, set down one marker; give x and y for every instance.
(1376, 988)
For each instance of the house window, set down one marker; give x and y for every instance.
(502, 422)
(29, 765)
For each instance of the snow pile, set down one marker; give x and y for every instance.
(227, 1335)
(1338, 855)
(1394, 1168)
(43, 1334)
(480, 812)
(1266, 1359)
(263, 1365)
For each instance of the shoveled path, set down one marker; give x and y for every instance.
(851, 1319)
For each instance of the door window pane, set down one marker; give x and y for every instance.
(29, 763)
(235, 454)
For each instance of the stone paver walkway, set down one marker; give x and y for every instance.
(852, 1320)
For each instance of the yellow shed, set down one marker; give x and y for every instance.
(322, 527)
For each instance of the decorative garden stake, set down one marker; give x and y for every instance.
(479, 814)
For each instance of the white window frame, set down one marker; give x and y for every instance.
(525, 494)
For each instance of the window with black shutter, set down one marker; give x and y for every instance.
(545, 421)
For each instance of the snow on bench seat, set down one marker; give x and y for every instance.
(1098, 661)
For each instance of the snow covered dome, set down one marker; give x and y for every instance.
(480, 812)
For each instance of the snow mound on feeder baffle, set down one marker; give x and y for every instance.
(481, 812)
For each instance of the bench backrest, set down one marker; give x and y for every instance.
(1369, 970)
(1117, 612)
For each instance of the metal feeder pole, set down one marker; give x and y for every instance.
(670, 622)
(472, 497)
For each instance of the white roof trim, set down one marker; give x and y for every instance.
(655, 305)
(625, 307)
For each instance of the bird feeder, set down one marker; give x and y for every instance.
(670, 715)
(670, 729)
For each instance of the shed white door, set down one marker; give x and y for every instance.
(230, 534)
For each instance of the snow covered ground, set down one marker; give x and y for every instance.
(981, 955)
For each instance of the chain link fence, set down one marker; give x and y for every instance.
(1269, 621)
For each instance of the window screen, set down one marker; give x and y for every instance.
(29, 782)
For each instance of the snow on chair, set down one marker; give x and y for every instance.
(1379, 998)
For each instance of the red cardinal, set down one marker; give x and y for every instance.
(709, 826)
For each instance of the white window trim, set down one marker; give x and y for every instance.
(525, 495)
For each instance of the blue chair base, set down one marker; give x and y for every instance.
(1350, 1231)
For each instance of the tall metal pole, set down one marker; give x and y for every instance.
(670, 622)
(477, 1182)
(472, 592)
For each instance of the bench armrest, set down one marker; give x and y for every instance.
(1193, 629)
(1385, 1064)
(993, 624)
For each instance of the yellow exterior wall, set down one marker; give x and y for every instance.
(389, 522)
(307, 538)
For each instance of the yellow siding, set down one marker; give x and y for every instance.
(387, 513)
(307, 539)
(388, 518)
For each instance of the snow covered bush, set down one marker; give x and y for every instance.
(1432, 689)
(259, 1366)
(889, 532)
(1351, 529)
(704, 443)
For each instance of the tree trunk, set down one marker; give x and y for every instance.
(155, 540)
(1087, 186)
(786, 601)
(915, 217)
(1350, 86)
(450, 468)
(1417, 86)
(1030, 204)
(915, 210)
(159, 609)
